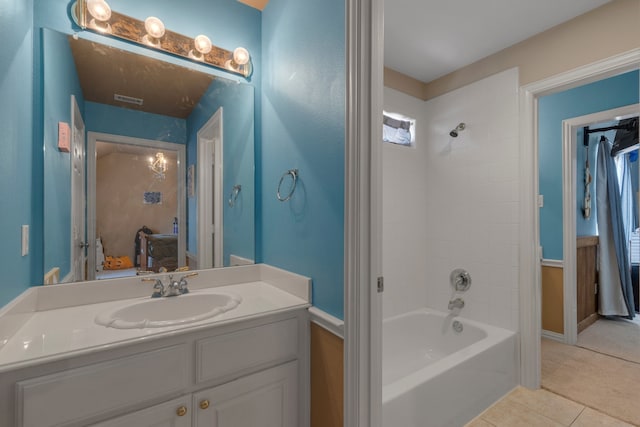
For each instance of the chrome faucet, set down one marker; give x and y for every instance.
(456, 303)
(173, 289)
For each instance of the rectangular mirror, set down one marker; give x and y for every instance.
(154, 147)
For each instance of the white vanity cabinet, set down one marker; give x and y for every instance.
(175, 413)
(266, 399)
(248, 373)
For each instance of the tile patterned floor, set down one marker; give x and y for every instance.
(580, 388)
(542, 408)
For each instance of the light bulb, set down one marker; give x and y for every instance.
(99, 9)
(202, 44)
(154, 27)
(240, 56)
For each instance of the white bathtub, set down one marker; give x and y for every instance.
(433, 376)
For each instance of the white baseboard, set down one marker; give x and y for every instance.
(558, 263)
(235, 260)
(553, 335)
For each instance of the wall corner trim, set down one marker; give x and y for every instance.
(558, 263)
(327, 321)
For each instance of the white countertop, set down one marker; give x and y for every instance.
(41, 336)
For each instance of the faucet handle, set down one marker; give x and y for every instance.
(159, 287)
(182, 285)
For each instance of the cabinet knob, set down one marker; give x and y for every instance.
(181, 411)
(204, 404)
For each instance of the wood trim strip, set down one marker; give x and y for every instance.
(586, 241)
(327, 378)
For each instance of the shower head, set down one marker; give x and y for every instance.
(454, 132)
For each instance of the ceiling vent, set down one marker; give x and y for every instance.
(128, 99)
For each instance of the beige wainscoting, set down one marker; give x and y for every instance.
(327, 378)
(552, 299)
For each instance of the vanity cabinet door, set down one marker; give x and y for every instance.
(175, 413)
(266, 399)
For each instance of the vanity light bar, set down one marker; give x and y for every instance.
(92, 15)
(128, 99)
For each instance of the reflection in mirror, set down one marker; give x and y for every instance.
(130, 109)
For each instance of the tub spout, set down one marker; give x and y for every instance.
(456, 303)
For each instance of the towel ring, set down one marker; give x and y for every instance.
(234, 194)
(294, 177)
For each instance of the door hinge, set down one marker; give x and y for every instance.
(380, 284)
(596, 289)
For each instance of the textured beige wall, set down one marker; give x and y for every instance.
(122, 179)
(601, 33)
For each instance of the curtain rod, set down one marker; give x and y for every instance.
(587, 131)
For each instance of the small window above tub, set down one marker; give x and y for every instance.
(398, 129)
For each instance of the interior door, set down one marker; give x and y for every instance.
(210, 177)
(78, 195)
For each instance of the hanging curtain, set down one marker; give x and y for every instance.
(615, 292)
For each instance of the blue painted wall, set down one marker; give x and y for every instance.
(58, 67)
(138, 124)
(603, 95)
(17, 162)
(303, 125)
(237, 102)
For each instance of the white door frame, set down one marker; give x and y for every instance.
(530, 256)
(363, 210)
(210, 229)
(78, 198)
(92, 139)
(569, 209)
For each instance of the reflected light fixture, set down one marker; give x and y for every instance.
(155, 30)
(100, 13)
(202, 46)
(158, 165)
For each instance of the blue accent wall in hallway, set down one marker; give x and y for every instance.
(603, 95)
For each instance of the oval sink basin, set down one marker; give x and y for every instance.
(168, 311)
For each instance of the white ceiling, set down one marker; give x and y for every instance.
(426, 39)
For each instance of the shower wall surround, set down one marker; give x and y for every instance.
(454, 202)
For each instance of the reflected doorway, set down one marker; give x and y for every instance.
(210, 174)
(134, 185)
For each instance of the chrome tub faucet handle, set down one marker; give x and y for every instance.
(456, 303)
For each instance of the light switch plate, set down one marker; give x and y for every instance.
(25, 240)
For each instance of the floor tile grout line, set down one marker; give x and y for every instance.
(556, 395)
(578, 416)
(511, 401)
(607, 354)
(590, 407)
